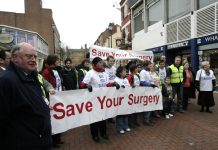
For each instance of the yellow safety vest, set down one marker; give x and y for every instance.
(40, 78)
(177, 74)
(84, 71)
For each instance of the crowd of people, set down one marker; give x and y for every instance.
(24, 93)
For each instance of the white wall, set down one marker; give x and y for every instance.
(153, 38)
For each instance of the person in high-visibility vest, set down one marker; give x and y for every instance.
(175, 72)
(84, 67)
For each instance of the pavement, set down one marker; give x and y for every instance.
(192, 130)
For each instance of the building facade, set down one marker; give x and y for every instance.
(110, 37)
(188, 28)
(36, 19)
(126, 40)
(10, 36)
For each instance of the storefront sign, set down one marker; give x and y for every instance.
(207, 39)
(6, 38)
(157, 49)
(178, 45)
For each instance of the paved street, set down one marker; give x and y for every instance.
(191, 130)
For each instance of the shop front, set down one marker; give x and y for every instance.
(178, 49)
(208, 51)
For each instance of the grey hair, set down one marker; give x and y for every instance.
(15, 48)
(20, 46)
(204, 63)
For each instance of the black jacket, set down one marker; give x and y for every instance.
(69, 79)
(24, 115)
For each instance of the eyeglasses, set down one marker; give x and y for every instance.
(29, 56)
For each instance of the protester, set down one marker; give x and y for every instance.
(205, 83)
(83, 68)
(147, 81)
(188, 81)
(161, 70)
(156, 79)
(97, 78)
(175, 73)
(111, 71)
(5, 57)
(69, 76)
(167, 93)
(52, 76)
(134, 81)
(25, 117)
(122, 120)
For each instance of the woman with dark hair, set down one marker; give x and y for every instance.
(122, 120)
(134, 81)
(188, 82)
(52, 76)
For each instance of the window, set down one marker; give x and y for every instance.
(154, 12)
(178, 8)
(203, 3)
(138, 18)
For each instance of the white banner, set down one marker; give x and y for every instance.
(76, 108)
(103, 52)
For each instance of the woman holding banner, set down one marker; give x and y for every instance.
(97, 78)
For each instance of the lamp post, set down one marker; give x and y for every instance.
(53, 31)
(110, 28)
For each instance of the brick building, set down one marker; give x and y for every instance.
(126, 42)
(35, 19)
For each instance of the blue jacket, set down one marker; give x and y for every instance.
(24, 115)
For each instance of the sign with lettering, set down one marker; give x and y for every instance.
(76, 108)
(207, 39)
(178, 45)
(103, 52)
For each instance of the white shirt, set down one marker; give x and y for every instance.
(121, 81)
(96, 79)
(162, 74)
(146, 76)
(111, 73)
(205, 80)
(58, 81)
(136, 80)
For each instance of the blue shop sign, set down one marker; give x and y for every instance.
(179, 45)
(157, 49)
(207, 39)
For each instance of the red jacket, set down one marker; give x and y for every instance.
(48, 74)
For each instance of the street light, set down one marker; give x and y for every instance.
(53, 31)
(110, 28)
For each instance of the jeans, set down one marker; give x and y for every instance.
(147, 116)
(122, 122)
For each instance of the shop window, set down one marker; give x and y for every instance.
(204, 3)
(154, 12)
(177, 9)
(138, 18)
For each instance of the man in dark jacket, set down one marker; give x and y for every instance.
(69, 76)
(24, 115)
(5, 57)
